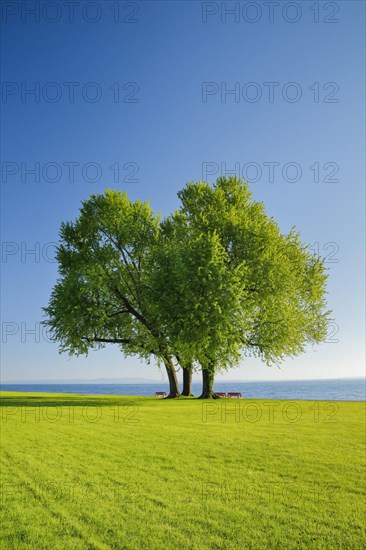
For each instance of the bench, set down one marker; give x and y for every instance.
(221, 394)
(235, 394)
(160, 394)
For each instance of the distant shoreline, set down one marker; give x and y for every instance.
(152, 382)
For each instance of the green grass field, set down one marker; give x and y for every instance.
(130, 473)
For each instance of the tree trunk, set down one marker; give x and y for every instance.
(172, 376)
(207, 385)
(187, 381)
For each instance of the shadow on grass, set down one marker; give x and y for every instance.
(78, 401)
(84, 400)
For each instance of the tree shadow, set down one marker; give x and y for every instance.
(65, 401)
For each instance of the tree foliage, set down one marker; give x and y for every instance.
(101, 296)
(227, 280)
(215, 280)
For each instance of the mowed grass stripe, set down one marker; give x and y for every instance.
(54, 515)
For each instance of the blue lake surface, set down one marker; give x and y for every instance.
(351, 389)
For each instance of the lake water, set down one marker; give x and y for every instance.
(351, 389)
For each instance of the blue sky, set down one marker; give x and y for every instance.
(148, 96)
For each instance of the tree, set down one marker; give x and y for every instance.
(187, 371)
(213, 281)
(227, 281)
(102, 296)
(196, 298)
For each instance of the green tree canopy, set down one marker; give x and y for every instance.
(215, 280)
(101, 296)
(227, 281)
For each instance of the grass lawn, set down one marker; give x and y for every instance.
(134, 473)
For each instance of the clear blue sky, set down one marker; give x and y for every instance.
(164, 128)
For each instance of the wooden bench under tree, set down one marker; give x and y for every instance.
(160, 394)
(221, 394)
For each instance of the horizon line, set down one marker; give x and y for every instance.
(152, 381)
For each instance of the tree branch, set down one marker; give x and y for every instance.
(108, 340)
